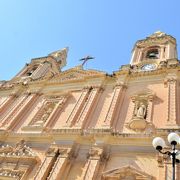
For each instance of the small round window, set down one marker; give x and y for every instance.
(152, 54)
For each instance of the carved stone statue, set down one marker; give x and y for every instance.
(141, 111)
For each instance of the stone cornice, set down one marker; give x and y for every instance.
(156, 40)
(131, 72)
(89, 75)
(9, 174)
(21, 150)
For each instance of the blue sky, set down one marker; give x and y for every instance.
(105, 29)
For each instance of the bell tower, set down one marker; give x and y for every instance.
(154, 49)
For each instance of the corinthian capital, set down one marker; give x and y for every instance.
(95, 153)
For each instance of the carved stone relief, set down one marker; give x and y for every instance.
(44, 112)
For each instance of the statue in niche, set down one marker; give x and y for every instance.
(141, 111)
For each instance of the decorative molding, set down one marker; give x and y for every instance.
(64, 152)
(20, 150)
(47, 107)
(7, 86)
(52, 151)
(75, 75)
(127, 172)
(10, 173)
(155, 40)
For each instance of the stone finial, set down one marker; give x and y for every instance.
(157, 34)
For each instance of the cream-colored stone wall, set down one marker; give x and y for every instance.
(84, 124)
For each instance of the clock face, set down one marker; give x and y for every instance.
(148, 67)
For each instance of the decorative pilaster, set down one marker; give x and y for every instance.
(60, 164)
(130, 109)
(113, 106)
(92, 164)
(5, 102)
(161, 166)
(93, 96)
(149, 109)
(21, 104)
(47, 164)
(171, 84)
(76, 111)
(13, 107)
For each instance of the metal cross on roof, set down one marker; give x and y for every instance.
(85, 59)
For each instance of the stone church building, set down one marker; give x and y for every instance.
(82, 124)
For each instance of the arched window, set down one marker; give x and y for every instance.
(31, 70)
(152, 54)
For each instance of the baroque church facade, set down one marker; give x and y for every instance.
(87, 125)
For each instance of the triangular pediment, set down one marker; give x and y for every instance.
(20, 150)
(126, 173)
(21, 158)
(76, 74)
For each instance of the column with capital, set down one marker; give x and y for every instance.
(60, 164)
(92, 164)
(47, 164)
